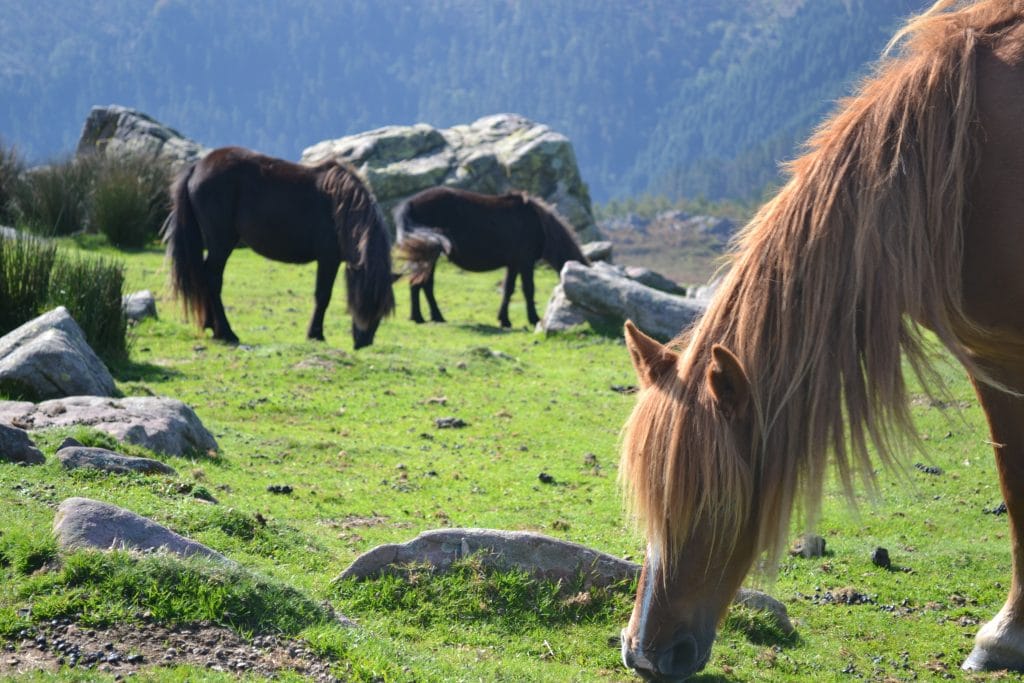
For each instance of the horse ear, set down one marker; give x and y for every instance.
(650, 359)
(728, 383)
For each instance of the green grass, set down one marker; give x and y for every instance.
(353, 434)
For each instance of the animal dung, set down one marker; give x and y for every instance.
(880, 558)
(546, 478)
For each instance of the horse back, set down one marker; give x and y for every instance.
(486, 232)
(273, 205)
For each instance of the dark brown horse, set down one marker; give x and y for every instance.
(285, 212)
(905, 213)
(480, 232)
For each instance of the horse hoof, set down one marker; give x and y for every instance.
(418, 321)
(987, 659)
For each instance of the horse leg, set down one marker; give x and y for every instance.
(1000, 643)
(414, 293)
(214, 264)
(508, 287)
(326, 272)
(428, 291)
(526, 274)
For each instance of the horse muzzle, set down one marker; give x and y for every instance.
(674, 662)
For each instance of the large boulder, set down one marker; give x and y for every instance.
(82, 523)
(541, 556)
(16, 446)
(48, 357)
(114, 129)
(492, 155)
(163, 425)
(606, 296)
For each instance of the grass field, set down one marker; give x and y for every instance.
(354, 435)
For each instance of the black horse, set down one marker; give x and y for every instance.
(481, 232)
(285, 212)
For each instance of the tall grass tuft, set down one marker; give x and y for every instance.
(91, 289)
(54, 200)
(129, 199)
(25, 266)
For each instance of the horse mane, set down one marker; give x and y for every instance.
(360, 223)
(830, 286)
(560, 243)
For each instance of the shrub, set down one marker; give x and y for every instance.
(54, 200)
(91, 289)
(11, 168)
(25, 266)
(129, 200)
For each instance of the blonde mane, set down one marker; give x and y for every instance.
(830, 286)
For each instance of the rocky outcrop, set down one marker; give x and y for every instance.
(605, 296)
(492, 155)
(114, 129)
(82, 523)
(163, 425)
(17, 447)
(543, 557)
(48, 357)
(600, 250)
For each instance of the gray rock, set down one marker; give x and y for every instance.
(115, 129)
(492, 155)
(597, 251)
(808, 545)
(48, 357)
(163, 425)
(139, 305)
(705, 292)
(76, 457)
(561, 315)
(16, 446)
(9, 233)
(541, 556)
(603, 293)
(650, 278)
(82, 523)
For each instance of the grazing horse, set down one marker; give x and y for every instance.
(481, 232)
(285, 212)
(905, 213)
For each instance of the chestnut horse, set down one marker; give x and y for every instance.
(481, 232)
(286, 212)
(905, 213)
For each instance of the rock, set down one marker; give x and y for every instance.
(597, 251)
(163, 425)
(139, 305)
(762, 602)
(115, 129)
(604, 295)
(808, 545)
(82, 523)
(705, 292)
(540, 556)
(75, 457)
(649, 278)
(16, 446)
(48, 357)
(560, 314)
(492, 155)
(9, 233)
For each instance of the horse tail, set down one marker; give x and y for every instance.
(419, 245)
(184, 240)
(560, 243)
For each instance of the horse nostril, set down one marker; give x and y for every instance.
(681, 659)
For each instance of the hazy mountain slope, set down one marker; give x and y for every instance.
(673, 97)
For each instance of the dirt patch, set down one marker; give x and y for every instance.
(130, 649)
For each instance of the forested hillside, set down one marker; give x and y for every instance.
(674, 98)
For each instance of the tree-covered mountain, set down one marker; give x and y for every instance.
(675, 98)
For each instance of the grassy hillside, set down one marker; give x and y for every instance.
(354, 436)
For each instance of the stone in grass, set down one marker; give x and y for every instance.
(16, 446)
(82, 523)
(808, 545)
(541, 556)
(139, 305)
(75, 457)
